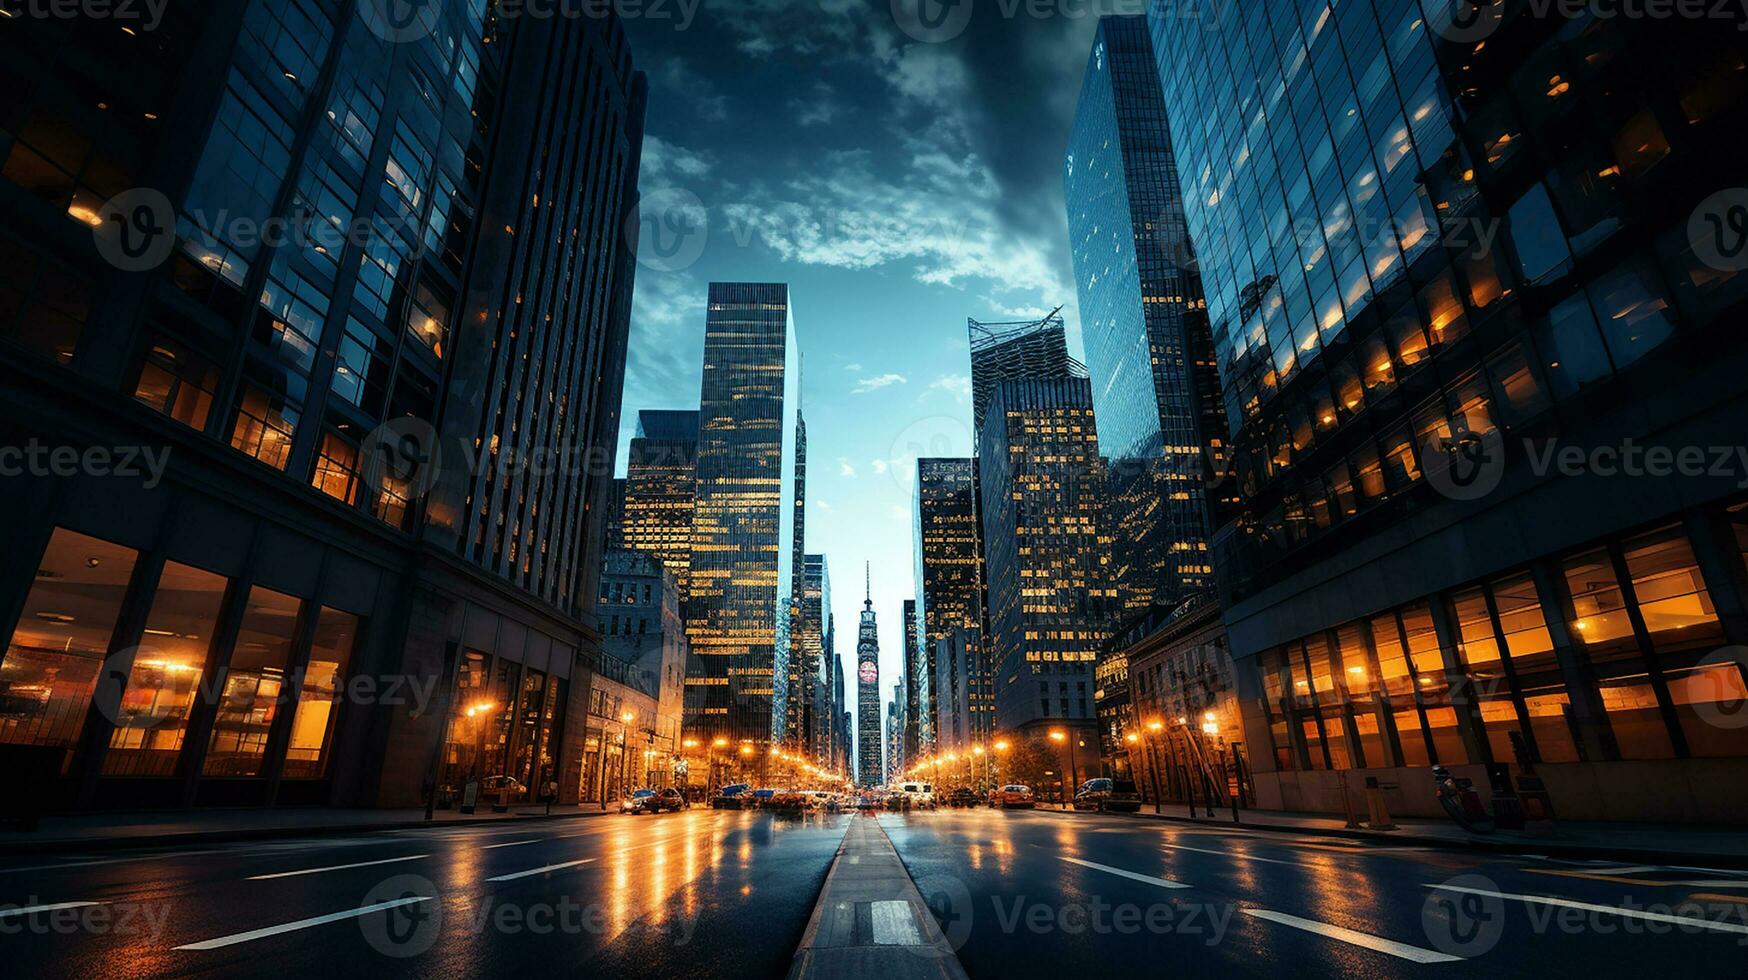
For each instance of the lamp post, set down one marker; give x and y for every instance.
(1059, 736)
(983, 784)
(1154, 727)
(719, 742)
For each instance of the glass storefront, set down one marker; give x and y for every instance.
(1643, 629)
(167, 670)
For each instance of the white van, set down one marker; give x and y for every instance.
(922, 795)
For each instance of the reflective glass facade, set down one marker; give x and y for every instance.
(744, 523)
(1145, 327)
(1052, 598)
(660, 484)
(949, 572)
(812, 649)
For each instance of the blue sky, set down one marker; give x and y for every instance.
(897, 187)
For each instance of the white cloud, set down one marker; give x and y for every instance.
(822, 504)
(878, 464)
(867, 385)
(854, 368)
(846, 468)
(672, 163)
(957, 385)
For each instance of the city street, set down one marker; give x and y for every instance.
(718, 893)
(704, 893)
(1100, 895)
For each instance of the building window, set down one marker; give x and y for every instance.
(337, 469)
(1605, 630)
(264, 428)
(42, 307)
(253, 682)
(319, 696)
(167, 668)
(177, 382)
(1531, 649)
(62, 637)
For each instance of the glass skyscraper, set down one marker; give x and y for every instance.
(1051, 595)
(661, 479)
(1027, 349)
(350, 280)
(814, 651)
(1161, 422)
(744, 520)
(949, 573)
(1436, 239)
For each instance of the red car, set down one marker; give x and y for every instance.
(1014, 795)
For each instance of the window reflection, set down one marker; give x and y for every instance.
(63, 634)
(167, 668)
(253, 684)
(319, 697)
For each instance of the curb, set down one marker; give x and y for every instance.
(1550, 847)
(21, 844)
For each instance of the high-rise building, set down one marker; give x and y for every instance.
(742, 576)
(964, 716)
(643, 667)
(949, 573)
(914, 683)
(869, 732)
(1156, 395)
(613, 518)
(797, 691)
(661, 476)
(1051, 597)
(1432, 250)
(348, 288)
(895, 735)
(811, 650)
(1028, 349)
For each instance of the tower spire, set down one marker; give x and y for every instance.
(868, 574)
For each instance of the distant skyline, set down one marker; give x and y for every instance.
(901, 189)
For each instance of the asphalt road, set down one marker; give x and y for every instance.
(697, 894)
(728, 894)
(1086, 895)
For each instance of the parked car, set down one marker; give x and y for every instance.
(962, 797)
(1014, 795)
(868, 801)
(731, 797)
(502, 789)
(639, 801)
(1102, 795)
(788, 801)
(898, 801)
(760, 798)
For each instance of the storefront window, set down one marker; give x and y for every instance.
(533, 704)
(253, 685)
(1486, 672)
(319, 698)
(469, 714)
(1431, 679)
(1709, 701)
(63, 635)
(165, 680)
(1531, 648)
(1606, 631)
(1672, 596)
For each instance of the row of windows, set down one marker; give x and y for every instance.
(1615, 652)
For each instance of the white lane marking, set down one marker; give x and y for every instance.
(334, 867)
(1149, 879)
(1233, 854)
(538, 871)
(895, 924)
(33, 909)
(254, 934)
(1566, 903)
(511, 843)
(1354, 938)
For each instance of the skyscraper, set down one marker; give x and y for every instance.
(1028, 349)
(949, 571)
(1148, 350)
(913, 682)
(869, 732)
(797, 691)
(744, 522)
(812, 651)
(1431, 248)
(1051, 598)
(339, 401)
(661, 479)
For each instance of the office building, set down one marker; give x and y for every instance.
(813, 731)
(744, 548)
(1028, 349)
(344, 406)
(1427, 258)
(661, 476)
(949, 573)
(1156, 395)
(639, 678)
(1051, 597)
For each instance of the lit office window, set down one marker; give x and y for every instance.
(62, 637)
(167, 667)
(253, 683)
(319, 698)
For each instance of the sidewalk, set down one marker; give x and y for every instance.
(1661, 843)
(870, 921)
(120, 831)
